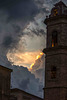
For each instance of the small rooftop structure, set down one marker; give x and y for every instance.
(60, 3)
(59, 9)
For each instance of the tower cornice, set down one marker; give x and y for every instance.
(50, 19)
(54, 49)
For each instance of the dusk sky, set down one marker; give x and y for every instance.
(22, 39)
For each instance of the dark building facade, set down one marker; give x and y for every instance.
(56, 54)
(5, 76)
(18, 94)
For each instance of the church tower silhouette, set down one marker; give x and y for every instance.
(56, 54)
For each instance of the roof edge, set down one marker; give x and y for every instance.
(6, 68)
(16, 89)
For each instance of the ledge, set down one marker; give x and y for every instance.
(54, 49)
(55, 18)
(54, 87)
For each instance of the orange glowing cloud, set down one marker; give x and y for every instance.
(37, 57)
(27, 51)
(24, 59)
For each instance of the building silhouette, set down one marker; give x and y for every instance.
(56, 54)
(5, 76)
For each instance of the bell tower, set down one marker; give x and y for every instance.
(56, 54)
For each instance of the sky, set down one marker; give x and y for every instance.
(22, 39)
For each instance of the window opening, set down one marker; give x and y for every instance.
(53, 72)
(54, 39)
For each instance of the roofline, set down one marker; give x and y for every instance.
(5, 68)
(59, 2)
(16, 90)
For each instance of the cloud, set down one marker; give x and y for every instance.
(10, 27)
(14, 16)
(24, 84)
(26, 51)
(21, 27)
(38, 68)
(9, 35)
(26, 48)
(7, 41)
(14, 40)
(8, 3)
(42, 5)
(22, 59)
(19, 8)
(25, 80)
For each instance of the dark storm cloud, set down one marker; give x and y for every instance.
(24, 84)
(42, 32)
(54, 1)
(17, 28)
(7, 41)
(40, 88)
(3, 59)
(45, 10)
(19, 8)
(25, 80)
(38, 32)
(19, 13)
(22, 10)
(10, 42)
(42, 8)
(14, 15)
(39, 71)
(40, 2)
(8, 3)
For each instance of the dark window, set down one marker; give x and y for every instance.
(53, 72)
(54, 39)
